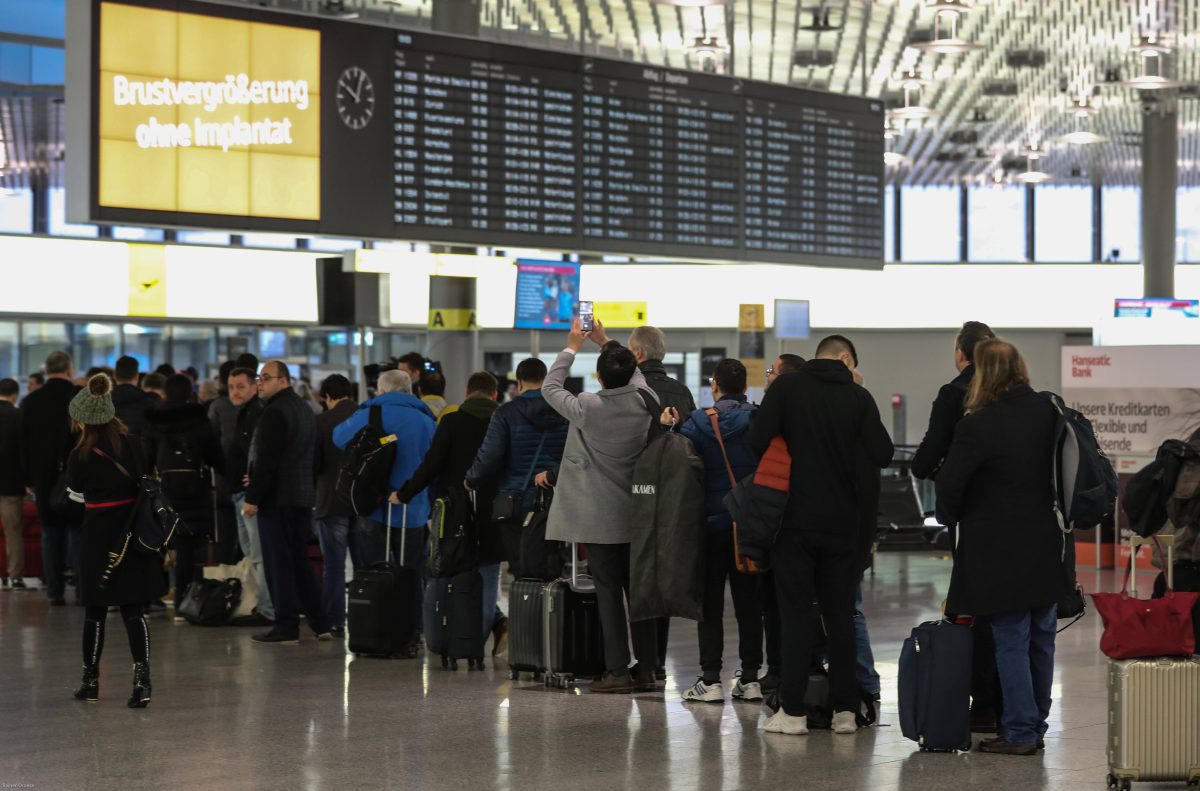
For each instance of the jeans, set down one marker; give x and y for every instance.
(868, 678)
(747, 606)
(60, 547)
(609, 564)
(823, 567)
(248, 538)
(372, 549)
(290, 576)
(491, 598)
(338, 534)
(1025, 659)
(14, 535)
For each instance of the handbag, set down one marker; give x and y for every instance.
(1141, 628)
(60, 499)
(152, 521)
(506, 505)
(209, 602)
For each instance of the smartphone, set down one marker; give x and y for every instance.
(586, 322)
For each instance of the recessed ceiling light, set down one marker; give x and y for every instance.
(1033, 177)
(893, 158)
(946, 41)
(1151, 82)
(1082, 137)
(912, 113)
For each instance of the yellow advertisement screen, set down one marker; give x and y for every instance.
(208, 115)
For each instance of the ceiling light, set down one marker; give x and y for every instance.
(945, 39)
(820, 21)
(1033, 177)
(1151, 46)
(707, 54)
(1151, 77)
(692, 3)
(1033, 150)
(911, 111)
(894, 158)
(1080, 136)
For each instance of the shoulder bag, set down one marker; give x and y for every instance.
(506, 505)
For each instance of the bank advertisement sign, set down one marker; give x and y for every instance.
(1135, 396)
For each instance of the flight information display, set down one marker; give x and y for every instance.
(504, 145)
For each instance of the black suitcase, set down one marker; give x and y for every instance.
(379, 612)
(935, 686)
(572, 645)
(454, 619)
(525, 651)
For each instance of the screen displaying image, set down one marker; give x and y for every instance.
(547, 295)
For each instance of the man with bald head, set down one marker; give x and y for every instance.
(281, 491)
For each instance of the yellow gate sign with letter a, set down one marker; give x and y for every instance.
(457, 319)
(147, 280)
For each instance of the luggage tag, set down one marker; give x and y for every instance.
(389, 439)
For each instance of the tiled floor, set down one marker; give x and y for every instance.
(230, 714)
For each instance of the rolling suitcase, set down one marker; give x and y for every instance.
(454, 619)
(572, 646)
(379, 612)
(1153, 709)
(525, 652)
(935, 686)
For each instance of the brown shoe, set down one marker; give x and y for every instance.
(622, 684)
(645, 681)
(1001, 746)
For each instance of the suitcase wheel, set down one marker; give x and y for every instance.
(514, 675)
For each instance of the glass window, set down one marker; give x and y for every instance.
(193, 347)
(929, 229)
(1187, 225)
(58, 217)
(40, 338)
(327, 244)
(996, 224)
(132, 234)
(889, 224)
(147, 343)
(16, 210)
(278, 241)
(204, 237)
(93, 346)
(10, 353)
(1121, 223)
(1062, 224)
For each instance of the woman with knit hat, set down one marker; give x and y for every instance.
(101, 473)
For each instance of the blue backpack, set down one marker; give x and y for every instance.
(1085, 483)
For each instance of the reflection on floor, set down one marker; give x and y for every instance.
(230, 714)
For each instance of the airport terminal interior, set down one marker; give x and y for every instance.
(326, 193)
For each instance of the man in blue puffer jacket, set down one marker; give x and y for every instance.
(733, 414)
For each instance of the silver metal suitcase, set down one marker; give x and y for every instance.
(1153, 712)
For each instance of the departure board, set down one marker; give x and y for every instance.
(498, 145)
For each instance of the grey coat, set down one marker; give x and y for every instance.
(593, 498)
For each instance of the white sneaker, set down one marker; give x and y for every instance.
(748, 692)
(780, 722)
(843, 722)
(705, 693)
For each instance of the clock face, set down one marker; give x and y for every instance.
(355, 98)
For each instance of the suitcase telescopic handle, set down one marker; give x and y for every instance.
(387, 553)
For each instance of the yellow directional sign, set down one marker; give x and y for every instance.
(752, 318)
(452, 319)
(620, 315)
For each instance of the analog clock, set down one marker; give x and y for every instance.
(355, 98)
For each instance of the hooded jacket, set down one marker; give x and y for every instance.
(733, 414)
(132, 402)
(413, 424)
(826, 420)
(188, 423)
(511, 444)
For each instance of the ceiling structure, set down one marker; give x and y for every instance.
(1034, 59)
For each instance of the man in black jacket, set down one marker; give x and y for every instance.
(947, 408)
(47, 440)
(12, 483)
(243, 395)
(281, 491)
(827, 421)
(336, 523)
(649, 347)
(130, 400)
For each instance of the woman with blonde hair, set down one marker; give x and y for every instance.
(101, 474)
(996, 486)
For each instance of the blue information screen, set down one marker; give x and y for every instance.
(547, 295)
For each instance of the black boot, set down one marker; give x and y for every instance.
(141, 686)
(89, 688)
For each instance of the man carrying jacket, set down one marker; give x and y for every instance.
(649, 347)
(412, 422)
(723, 456)
(827, 421)
(593, 501)
(281, 493)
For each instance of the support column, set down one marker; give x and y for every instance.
(453, 332)
(1160, 178)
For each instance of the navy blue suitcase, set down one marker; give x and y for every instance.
(454, 619)
(935, 686)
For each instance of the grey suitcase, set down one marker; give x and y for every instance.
(1153, 711)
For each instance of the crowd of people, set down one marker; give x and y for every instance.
(251, 465)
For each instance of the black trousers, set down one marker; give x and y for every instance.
(822, 567)
(190, 554)
(747, 606)
(609, 564)
(290, 576)
(772, 628)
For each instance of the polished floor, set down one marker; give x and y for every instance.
(231, 714)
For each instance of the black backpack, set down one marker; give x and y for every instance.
(1149, 491)
(152, 524)
(364, 479)
(453, 537)
(180, 467)
(1085, 483)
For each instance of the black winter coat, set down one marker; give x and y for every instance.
(329, 460)
(132, 402)
(828, 421)
(455, 443)
(170, 425)
(944, 415)
(282, 454)
(670, 392)
(996, 486)
(12, 456)
(47, 436)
